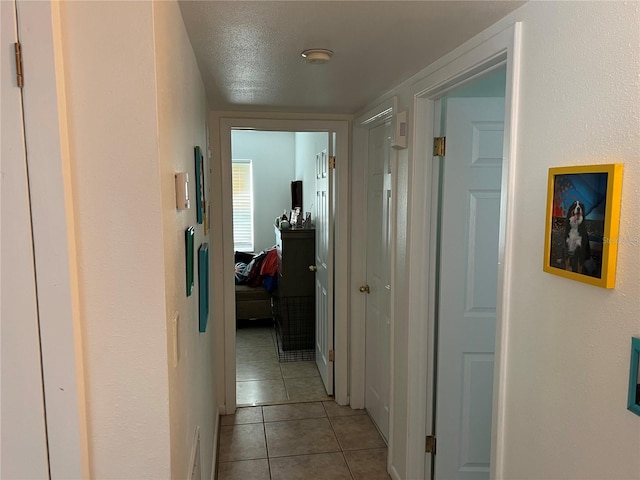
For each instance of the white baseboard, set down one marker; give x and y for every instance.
(394, 474)
(216, 436)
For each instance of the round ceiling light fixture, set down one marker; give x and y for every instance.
(317, 55)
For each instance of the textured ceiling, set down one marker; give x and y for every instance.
(249, 52)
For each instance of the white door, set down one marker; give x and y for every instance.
(468, 286)
(377, 321)
(23, 440)
(324, 265)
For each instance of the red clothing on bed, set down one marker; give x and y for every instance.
(270, 263)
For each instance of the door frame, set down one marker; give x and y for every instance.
(224, 306)
(374, 117)
(452, 71)
(359, 188)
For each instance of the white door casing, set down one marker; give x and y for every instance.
(470, 225)
(224, 310)
(324, 266)
(378, 307)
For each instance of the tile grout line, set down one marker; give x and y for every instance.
(339, 443)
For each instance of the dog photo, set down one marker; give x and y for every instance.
(578, 220)
(583, 216)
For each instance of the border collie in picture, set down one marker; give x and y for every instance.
(577, 239)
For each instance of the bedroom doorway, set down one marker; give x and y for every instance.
(286, 389)
(273, 173)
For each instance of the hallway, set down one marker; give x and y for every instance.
(262, 379)
(318, 440)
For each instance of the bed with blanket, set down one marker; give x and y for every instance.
(255, 278)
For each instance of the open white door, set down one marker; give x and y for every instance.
(324, 266)
(468, 286)
(24, 438)
(378, 288)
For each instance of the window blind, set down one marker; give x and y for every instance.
(242, 205)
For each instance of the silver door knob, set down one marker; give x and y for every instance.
(364, 289)
(313, 268)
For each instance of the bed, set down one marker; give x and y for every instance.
(255, 281)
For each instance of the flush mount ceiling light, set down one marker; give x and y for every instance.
(317, 55)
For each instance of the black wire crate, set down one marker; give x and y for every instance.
(295, 327)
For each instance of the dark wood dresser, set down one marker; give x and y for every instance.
(294, 299)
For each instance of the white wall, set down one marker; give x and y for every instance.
(273, 159)
(136, 107)
(182, 110)
(568, 343)
(308, 144)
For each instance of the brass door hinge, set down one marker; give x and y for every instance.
(332, 162)
(439, 146)
(430, 446)
(332, 356)
(19, 74)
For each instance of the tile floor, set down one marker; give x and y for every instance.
(261, 379)
(300, 441)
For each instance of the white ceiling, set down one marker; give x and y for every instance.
(249, 52)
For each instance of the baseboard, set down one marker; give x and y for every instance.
(216, 437)
(394, 474)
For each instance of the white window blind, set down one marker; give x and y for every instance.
(242, 205)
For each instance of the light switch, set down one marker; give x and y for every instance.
(182, 191)
(174, 334)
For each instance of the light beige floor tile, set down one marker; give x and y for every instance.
(245, 347)
(323, 466)
(259, 332)
(243, 415)
(244, 470)
(257, 371)
(260, 391)
(259, 353)
(368, 464)
(242, 442)
(306, 389)
(356, 432)
(299, 369)
(255, 353)
(294, 411)
(300, 437)
(335, 410)
(254, 341)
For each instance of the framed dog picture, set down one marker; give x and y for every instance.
(583, 213)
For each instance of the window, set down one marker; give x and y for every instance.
(242, 205)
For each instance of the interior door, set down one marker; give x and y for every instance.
(23, 435)
(377, 321)
(324, 265)
(470, 212)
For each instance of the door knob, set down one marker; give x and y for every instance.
(313, 268)
(364, 289)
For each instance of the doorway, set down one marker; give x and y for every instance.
(339, 131)
(471, 119)
(372, 246)
(275, 182)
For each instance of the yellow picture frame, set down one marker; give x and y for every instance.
(582, 222)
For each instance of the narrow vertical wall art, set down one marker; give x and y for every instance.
(200, 185)
(203, 285)
(189, 234)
